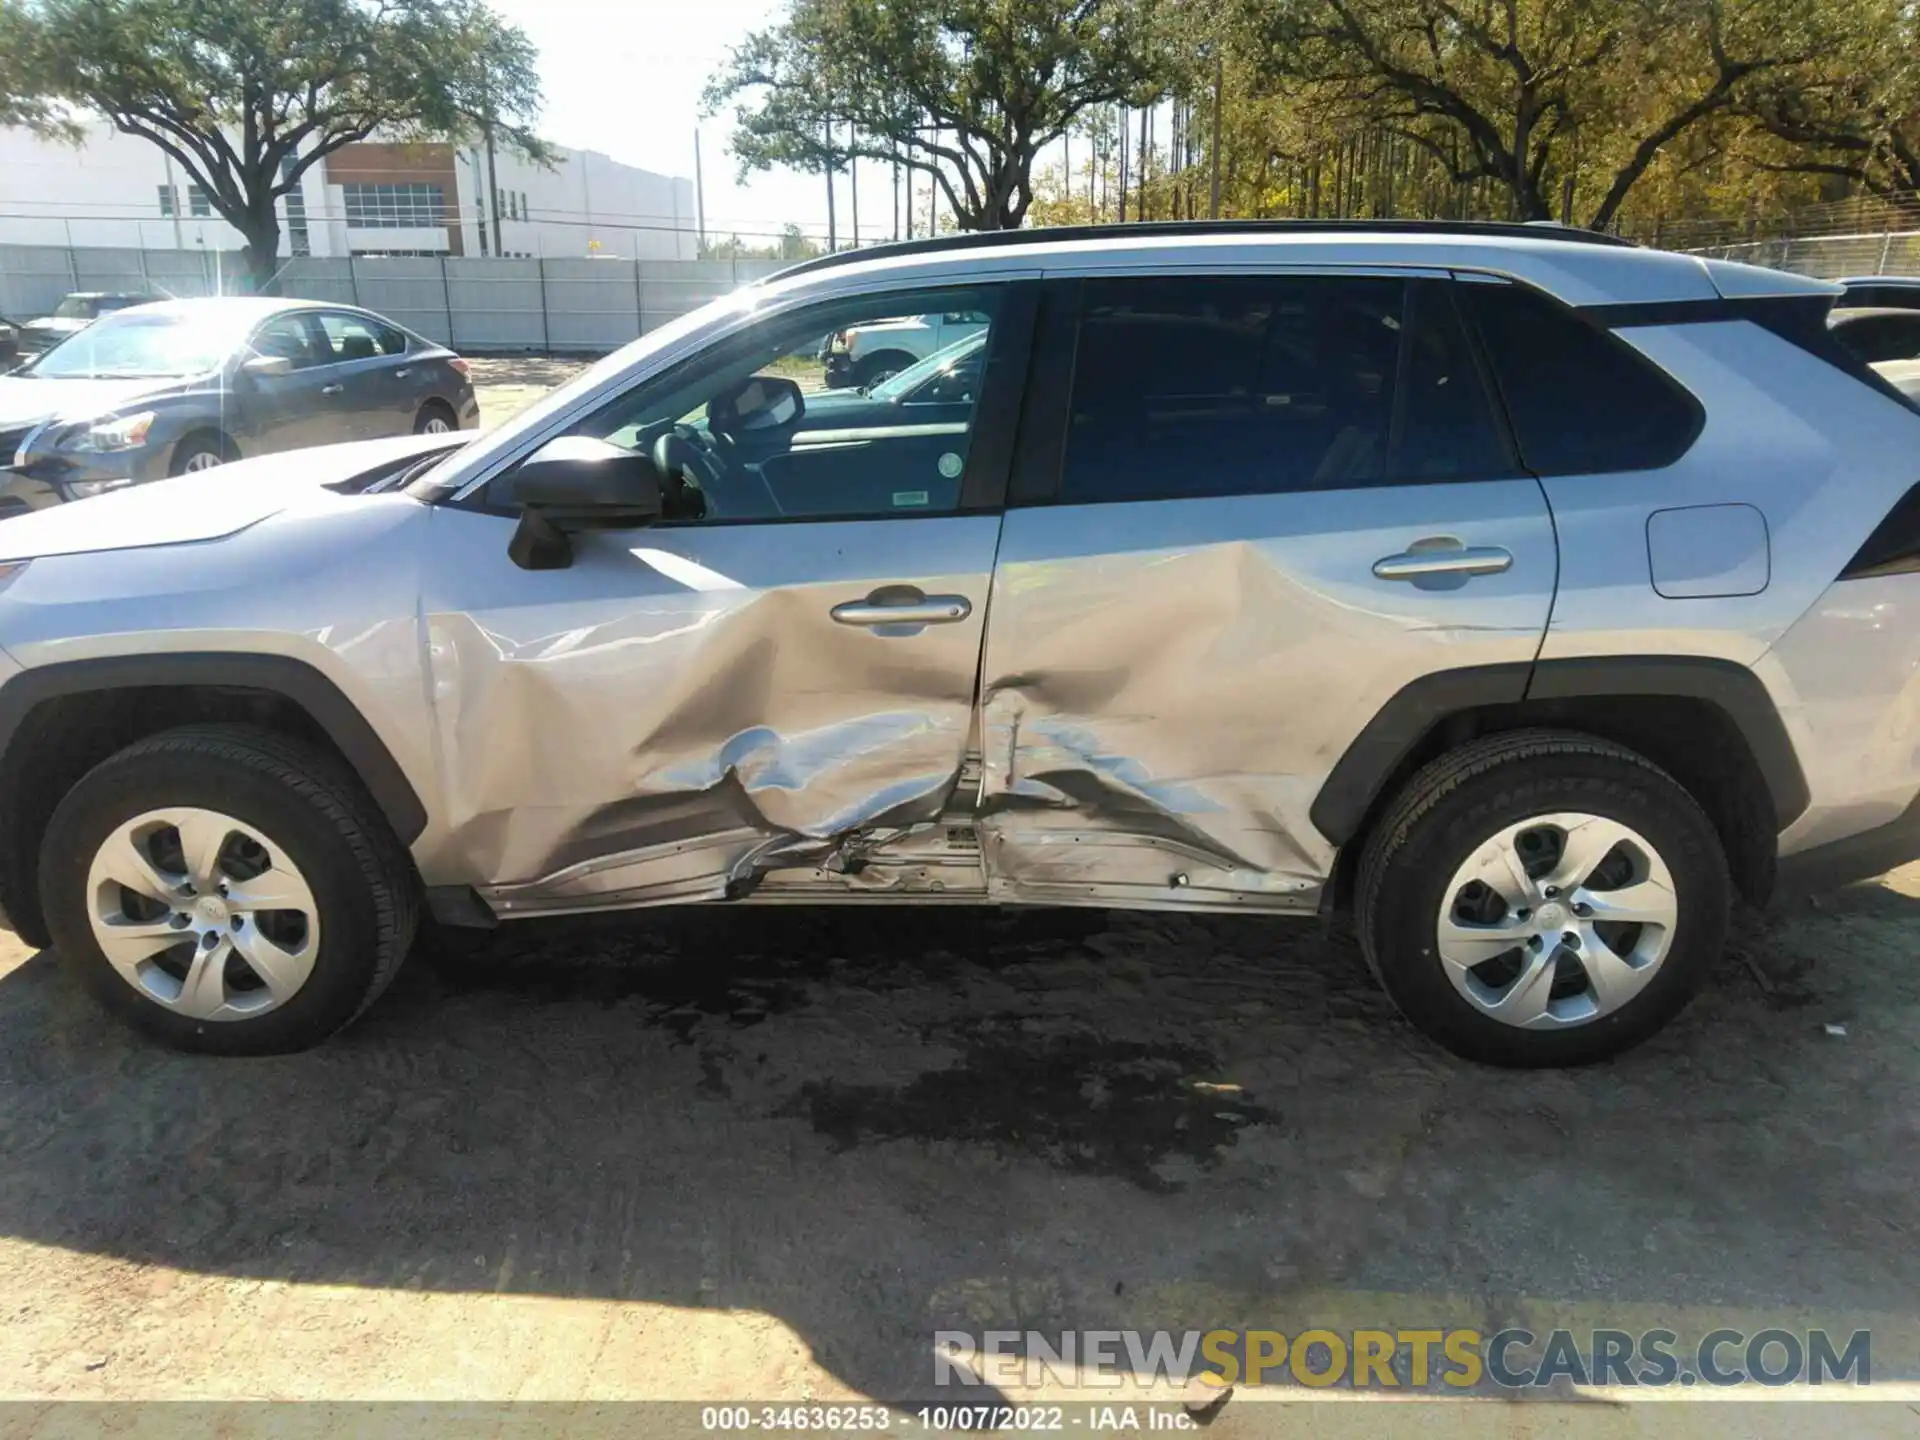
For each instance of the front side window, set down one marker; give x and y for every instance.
(292, 338)
(1225, 385)
(355, 337)
(753, 430)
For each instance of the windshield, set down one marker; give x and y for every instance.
(958, 356)
(132, 346)
(74, 307)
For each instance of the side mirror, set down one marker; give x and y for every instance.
(261, 367)
(758, 404)
(578, 483)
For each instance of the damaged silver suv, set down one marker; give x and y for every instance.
(1529, 594)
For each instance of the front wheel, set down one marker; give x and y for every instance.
(227, 890)
(1542, 898)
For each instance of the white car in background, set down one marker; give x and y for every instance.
(865, 355)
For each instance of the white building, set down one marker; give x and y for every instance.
(370, 199)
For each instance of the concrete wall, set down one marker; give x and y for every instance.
(474, 304)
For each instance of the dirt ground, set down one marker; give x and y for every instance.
(766, 1154)
(506, 385)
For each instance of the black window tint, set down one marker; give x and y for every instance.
(1581, 401)
(1223, 385)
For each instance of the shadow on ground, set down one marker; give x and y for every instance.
(875, 1126)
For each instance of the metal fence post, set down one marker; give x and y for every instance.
(639, 301)
(1886, 251)
(546, 329)
(446, 303)
(353, 280)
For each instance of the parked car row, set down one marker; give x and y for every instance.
(168, 388)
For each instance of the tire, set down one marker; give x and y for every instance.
(872, 369)
(1447, 824)
(287, 801)
(202, 450)
(430, 413)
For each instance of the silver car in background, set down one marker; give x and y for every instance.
(182, 385)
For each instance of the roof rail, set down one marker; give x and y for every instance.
(999, 239)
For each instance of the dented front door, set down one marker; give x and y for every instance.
(684, 710)
(773, 687)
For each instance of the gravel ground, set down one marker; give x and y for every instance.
(767, 1153)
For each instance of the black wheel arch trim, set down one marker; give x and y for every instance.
(282, 675)
(1357, 779)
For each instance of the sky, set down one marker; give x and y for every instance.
(624, 77)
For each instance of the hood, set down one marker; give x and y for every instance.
(56, 325)
(208, 506)
(25, 401)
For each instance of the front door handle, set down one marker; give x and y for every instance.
(331, 389)
(1442, 560)
(903, 606)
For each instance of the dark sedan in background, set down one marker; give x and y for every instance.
(72, 315)
(184, 385)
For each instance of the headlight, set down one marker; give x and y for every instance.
(124, 432)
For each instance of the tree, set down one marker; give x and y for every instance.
(248, 96)
(1856, 116)
(1556, 102)
(966, 91)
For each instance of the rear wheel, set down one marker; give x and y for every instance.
(1542, 899)
(435, 418)
(227, 890)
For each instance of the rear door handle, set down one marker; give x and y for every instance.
(403, 372)
(1463, 560)
(926, 610)
(331, 389)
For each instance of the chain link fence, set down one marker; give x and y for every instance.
(576, 306)
(1865, 235)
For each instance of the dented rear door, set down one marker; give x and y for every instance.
(690, 708)
(1248, 510)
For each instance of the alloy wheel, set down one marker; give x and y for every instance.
(1557, 920)
(203, 914)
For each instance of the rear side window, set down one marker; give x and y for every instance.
(1188, 386)
(1581, 401)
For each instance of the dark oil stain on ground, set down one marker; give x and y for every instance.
(1078, 1101)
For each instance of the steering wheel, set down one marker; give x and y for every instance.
(684, 455)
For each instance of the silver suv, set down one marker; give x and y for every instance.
(1527, 593)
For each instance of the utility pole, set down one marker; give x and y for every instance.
(853, 178)
(1140, 181)
(1123, 165)
(493, 173)
(699, 194)
(896, 197)
(1219, 85)
(833, 233)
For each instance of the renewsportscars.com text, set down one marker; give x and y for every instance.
(1442, 1359)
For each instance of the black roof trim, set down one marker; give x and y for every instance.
(1002, 239)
